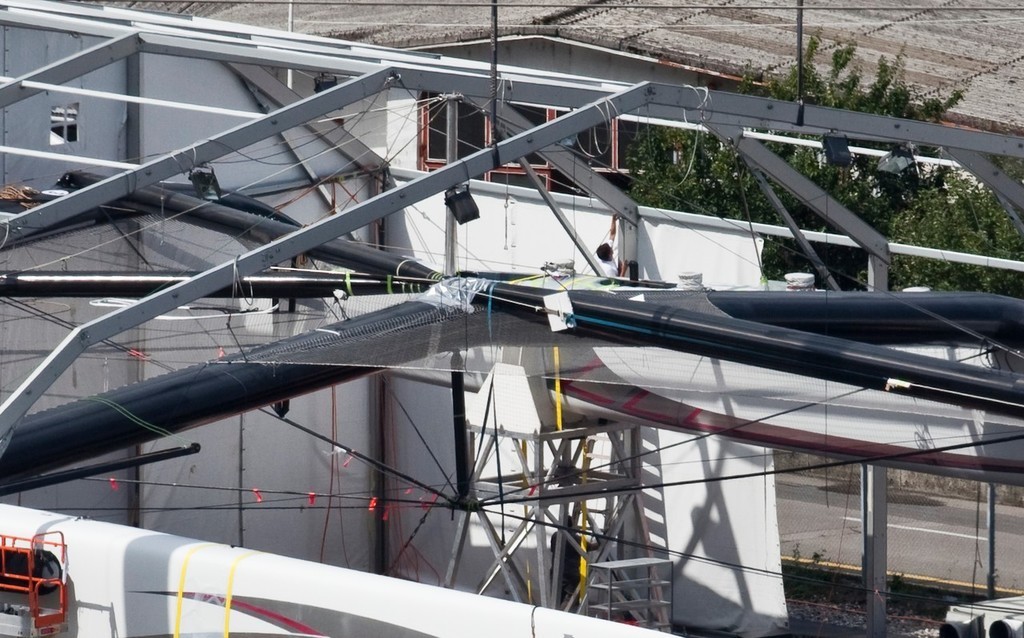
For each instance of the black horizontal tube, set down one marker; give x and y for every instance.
(296, 285)
(57, 478)
(778, 348)
(260, 228)
(876, 317)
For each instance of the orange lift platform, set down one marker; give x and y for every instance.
(33, 591)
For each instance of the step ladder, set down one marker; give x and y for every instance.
(635, 591)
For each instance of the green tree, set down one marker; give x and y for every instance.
(693, 171)
(965, 217)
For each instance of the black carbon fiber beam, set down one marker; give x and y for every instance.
(778, 348)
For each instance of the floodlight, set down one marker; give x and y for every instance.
(899, 159)
(837, 150)
(324, 81)
(462, 204)
(205, 183)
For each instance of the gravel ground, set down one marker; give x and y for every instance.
(841, 620)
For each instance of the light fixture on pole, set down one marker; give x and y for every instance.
(462, 204)
(205, 183)
(897, 160)
(837, 150)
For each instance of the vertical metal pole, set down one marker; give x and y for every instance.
(379, 393)
(241, 479)
(874, 505)
(494, 72)
(878, 274)
(133, 153)
(800, 60)
(462, 469)
(991, 521)
(291, 27)
(451, 229)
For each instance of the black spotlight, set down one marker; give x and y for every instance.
(899, 159)
(324, 81)
(462, 205)
(837, 150)
(205, 183)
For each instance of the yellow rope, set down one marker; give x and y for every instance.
(231, 586)
(181, 586)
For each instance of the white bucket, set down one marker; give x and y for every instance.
(691, 281)
(799, 281)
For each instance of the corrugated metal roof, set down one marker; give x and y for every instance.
(947, 44)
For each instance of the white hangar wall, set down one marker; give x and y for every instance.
(519, 233)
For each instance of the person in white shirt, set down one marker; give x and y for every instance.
(606, 257)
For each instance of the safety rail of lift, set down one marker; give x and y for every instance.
(35, 567)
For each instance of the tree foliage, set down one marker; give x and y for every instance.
(925, 205)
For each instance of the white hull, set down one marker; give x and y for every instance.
(125, 582)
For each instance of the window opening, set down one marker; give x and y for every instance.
(64, 124)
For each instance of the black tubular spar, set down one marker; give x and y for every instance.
(200, 394)
(777, 348)
(260, 228)
(893, 318)
(57, 478)
(294, 284)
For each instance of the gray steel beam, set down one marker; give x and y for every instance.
(683, 104)
(118, 186)
(588, 254)
(812, 196)
(1011, 212)
(73, 25)
(346, 144)
(1009, 191)
(798, 234)
(512, 122)
(85, 335)
(247, 52)
(718, 108)
(878, 273)
(69, 68)
(133, 110)
(272, 94)
(874, 515)
(451, 154)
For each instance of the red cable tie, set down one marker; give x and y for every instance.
(138, 354)
(373, 503)
(259, 497)
(348, 459)
(533, 488)
(312, 498)
(113, 484)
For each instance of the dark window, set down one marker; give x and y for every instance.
(627, 132)
(471, 127)
(536, 116)
(596, 144)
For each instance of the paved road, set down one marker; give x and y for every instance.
(929, 535)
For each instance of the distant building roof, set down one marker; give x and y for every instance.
(946, 45)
